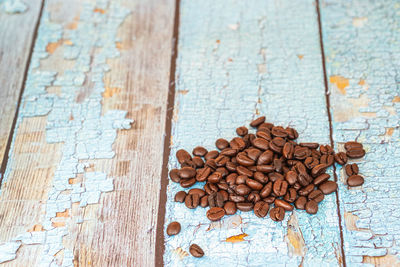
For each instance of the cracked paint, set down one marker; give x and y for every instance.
(89, 135)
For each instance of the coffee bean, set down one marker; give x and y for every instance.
(253, 153)
(254, 197)
(230, 166)
(355, 153)
(223, 171)
(341, 158)
(237, 143)
(277, 214)
(211, 163)
(351, 169)
(197, 191)
(192, 201)
(316, 195)
(275, 176)
(328, 187)
(204, 201)
(328, 160)
(277, 145)
(292, 133)
(301, 203)
(301, 152)
(185, 183)
(265, 126)
(196, 251)
(225, 195)
(291, 177)
(261, 143)
(241, 179)
(304, 179)
(180, 196)
(315, 154)
(265, 134)
(310, 145)
(265, 168)
(221, 160)
(306, 190)
(173, 228)
(188, 163)
(216, 199)
(291, 195)
(236, 198)
(203, 173)
(257, 121)
(260, 177)
(280, 187)
(182, 156)
(269, 200)
(198, 162)
(244, 171)
(243, 190)
(210, 188)
(221, 143)
(311, 162)
(322, 178)
(213, 154)
(318, 170)
(244, 160)
(248, 139)
(352, 145)
(173, 174)
(215, 213)
(355, 180)
(311, 207)
(230, 208)
(261, 209)
(242, 131)
(326, 149)
(215, 177)
(282, 203)
(288, 150)
(265, 158)
(187, 172)
(199, 151)
(279, 131)
(253, 184)
(244, 206)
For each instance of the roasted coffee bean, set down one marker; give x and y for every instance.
(196, 251)
(237, 143)
(300, 203)
(311, 162)
(236, 198)
(231, 179)
(315, 154)
(225, 194)
(215, 213)
(352, 145)
(257, 121)
(341, 158)
(260, 177)
(198, 162)
(223, 185)
(265, 158)
(192, 201)
(223, 171)
(279, 131)
(241, 179)
(355, 153)
(248, 138)
(264, 134)
(291, 177)
(214, 178)
(189, 163)
(328, 160)
(252, 168)
(282, 203)
(211, 163)
(275, 176)
(261, 209)
(316, 195)
(216, 199)
(306, 190)
(187, 172)
(254, 197)
(242, 131)
(185, 183)
(244, 160)
(326, 150)
(265, 168)
(221, 144)
(199, 151)
(269, 200)
(322, 178)
(355, 180)
(229, 152)
(243, 190)
(244, 171)
(180, 196)
(277, 214)
(266, 190)
(292, 133)
(351, 169)
(173, 174)
(261, 143)
(203, 173)
(244, 206)
(280, 187)
(197, 191)
(230, 166)
(173, 228)
(318, 170)
(328, 187)
(304, 179)
(221, 160)
(230, 208)
(213, 154)
(182, 156)
(253, 153)
(265, 126)
(253, 184)
(210, 188)
(311, 207)
(204, 201)
(288, 150)
(277, 145)
(291, 195)
(310, 145)
(301, 152)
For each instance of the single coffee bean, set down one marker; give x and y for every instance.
(196, 251)
(277, 214)
(265, 158)
(215, 177)
(203, 173)
(198, 162)
(253, 153)
(210, 188)
(292, 133)
(223, 185)
(265, 134)
(230, 166)
(315, 154)
(216, 199)
(242, 131)
(244, 160)
(341, 158)
(351, 169)
(265, 126)
(291, 195)
(291, 177)
(322, 178)
(288, 150)
(328, 160)
(244, 171)
(355, 153)
(236, 198)
(265, 168)
(310, 145)
(260, 177)
(301, 152)
(225, 195)
(244, 206)
(261, 209)
(352, 145)
(304, 179)
(237, 143)
(223, 171)
(279, 131)
(300, 203)
(173, 174)
(269, 200)
(215, 214)
(311, 162)
(328, 187)
(183, 156)
(192, 201)
(231, 178)
(326, 149)
(280, 187)
(199, 151)
(241, 179)
(266, 190)
(221, 160)
(197, 191)
(204, 201)
(211, 163)
(187, 172)
(316, 195)
(275, 145)
(253, 197)
(243, 190)
(221, 144)
(355, 180)
(257, 121)
(282, 203)
(230, 208)
(253, 184)
(185, 183)
(213, 154)
(318, 170)
(306, 190)
(261, 143)
(180, 196)
(173, 228)
(311, 207)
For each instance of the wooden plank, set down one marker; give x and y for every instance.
(79, 183)
(362, 47)
(17, 32)
(249, 58)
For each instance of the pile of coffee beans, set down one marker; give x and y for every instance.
(265, 172)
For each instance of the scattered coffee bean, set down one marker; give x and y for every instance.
(352, 145)
(230, 208)
(355, 180)
(221, 144)
(277, 214)
(173, 174)
(261, 209)
(173, 228)
(180, 196)
(341, 158)
(355, 153)
(257, 121)
(242, 131)
(204, 201)
(192, 201)
(244, 206)
(322, 178)
(311, 207)
(301, 203)
(183, 156)
(316, 195)
(282, 203)
(196, 251)
(351, 169)
(215, 214)
(187, 172)
(328, 187)
(199, 151)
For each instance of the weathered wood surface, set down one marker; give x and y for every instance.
(255, 57)
(96, 66)
(17, 30)
(362, 48)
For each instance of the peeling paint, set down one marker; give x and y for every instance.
(294, 237)
(13, 6)
(340, 82)
(236, 238)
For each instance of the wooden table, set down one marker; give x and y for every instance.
(97, 96)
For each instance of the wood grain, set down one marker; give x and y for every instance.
(17, 31)
(361, 41)
(125, 66)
